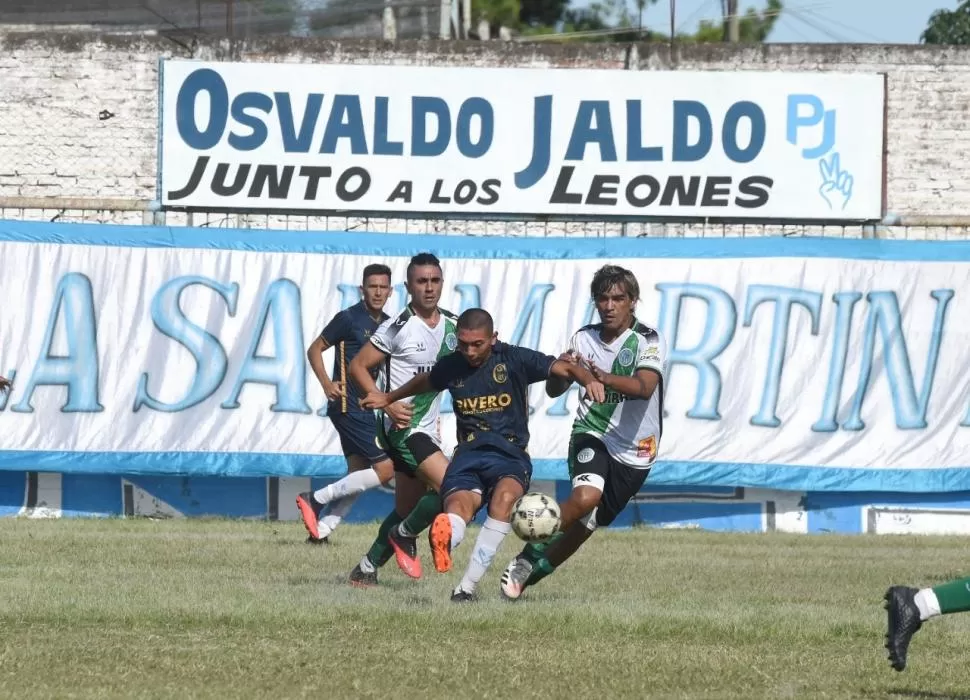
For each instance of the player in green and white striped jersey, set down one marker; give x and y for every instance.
(406, 346)
(613, 444)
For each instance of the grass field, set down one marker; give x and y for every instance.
(212, 608)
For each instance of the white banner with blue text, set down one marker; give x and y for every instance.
(794, 363)
(570, 142)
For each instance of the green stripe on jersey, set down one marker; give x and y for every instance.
(422, 403)
(598, 417)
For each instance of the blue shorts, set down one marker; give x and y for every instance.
(358, 435)
(481, 469)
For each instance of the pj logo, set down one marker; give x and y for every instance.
(807, 112)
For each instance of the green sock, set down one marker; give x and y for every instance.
(534, 551)
(954, 596)
(540, 570)
(381, 551)
(423, 514)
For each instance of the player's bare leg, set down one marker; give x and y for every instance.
(448, 531)
(536, 561)
(404, 537)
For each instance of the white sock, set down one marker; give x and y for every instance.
(488, 542)
(457, 530)
(351, 485)
(338, 511)
(366, 566)
(927, 603)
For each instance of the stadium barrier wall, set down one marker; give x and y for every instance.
(814, 385)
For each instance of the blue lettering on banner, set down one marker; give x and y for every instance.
(592, 126)
(719, 330)
(349, 124)
(784, 298)
(884, 317)
(837, 183)
(211, 361)
(78, 369)
(344, 122)
(844, 302)
(875, 323)
(286, 369)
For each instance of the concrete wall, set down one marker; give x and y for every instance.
(80, 110)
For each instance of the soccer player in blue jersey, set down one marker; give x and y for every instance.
(489, 383)
(367, 464)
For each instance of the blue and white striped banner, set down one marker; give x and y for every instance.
(802, 364)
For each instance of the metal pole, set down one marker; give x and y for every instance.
(673, 14)
(733, 28)
(444, 20)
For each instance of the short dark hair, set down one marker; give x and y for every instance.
(375, 269)
(610, 276)
(422, 259)
(475, 320)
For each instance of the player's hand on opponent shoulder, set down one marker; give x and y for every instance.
(335, 390)
(4, 385)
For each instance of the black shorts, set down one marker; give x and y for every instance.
(407, 448)
(590, 464)
(358, 435)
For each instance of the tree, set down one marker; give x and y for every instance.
(498, 13)
(612, 17)
(542, 13)
(753, 27)
(948, 26)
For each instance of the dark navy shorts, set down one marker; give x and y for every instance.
(481, 469)
(358, 435)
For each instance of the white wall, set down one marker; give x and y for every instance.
(54, 86)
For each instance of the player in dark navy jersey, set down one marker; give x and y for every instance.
(489, 383)
(367, 464)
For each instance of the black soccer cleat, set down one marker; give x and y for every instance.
(461, 596)
(362, 579)
(310, 539)
(903, 622)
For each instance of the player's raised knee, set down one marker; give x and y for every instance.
(505, 496)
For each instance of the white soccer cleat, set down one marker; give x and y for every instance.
(515, 576)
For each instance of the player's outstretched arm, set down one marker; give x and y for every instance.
(640, 386)
(419, 384)
(556, 386)
(577, 373)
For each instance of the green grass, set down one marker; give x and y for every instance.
(213, 608)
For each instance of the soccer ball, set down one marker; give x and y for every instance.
(535, 517)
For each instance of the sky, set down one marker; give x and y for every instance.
(839, 21)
